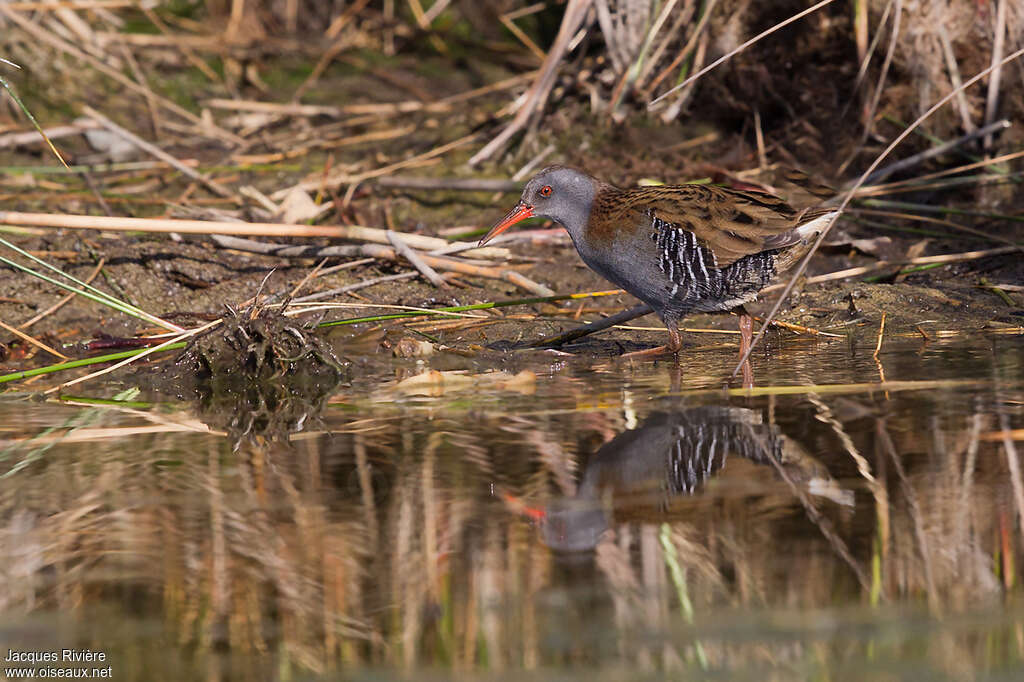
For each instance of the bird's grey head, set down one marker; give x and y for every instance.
(560, 193)
(574, 524)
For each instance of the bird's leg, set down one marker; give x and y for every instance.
(746, 339)
(675, 341)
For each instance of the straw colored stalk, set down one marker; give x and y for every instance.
(350, 232)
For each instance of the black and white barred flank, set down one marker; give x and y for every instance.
(700, 448)
(693, 269)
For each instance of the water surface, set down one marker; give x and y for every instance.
(559, 518)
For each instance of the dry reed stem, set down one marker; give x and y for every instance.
(881, 330)
(862, 70)
(454, 184)
(379, 306)
(210, 227)
(377, 109)
(860, 30)
(388, 253)
(274, 157)
(89, 434)
(575, 14)
(954, 77)
(967, 479)
(320, 295)
(155, 151)
(826, 416)
(191, 56)
(894, 34)
(305, 280)
(520, 35)
(1013, 464)
(799, 328)
(937, 150)
(882, 434)
(421, 20)
(642, 62)
(67, 48)
(339, 21)
(14, 139)
(32, 340)
(353, 179)
(998, 43)
(824, 526)
(151, 105)
(686, 50)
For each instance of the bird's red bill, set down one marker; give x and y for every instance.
(519, 212)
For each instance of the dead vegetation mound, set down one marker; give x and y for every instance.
(259, 375)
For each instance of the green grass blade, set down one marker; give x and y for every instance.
(87, 290)
(84, 362)
(24, 109)
(679, 580)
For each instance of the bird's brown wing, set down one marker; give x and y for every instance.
(730, 223)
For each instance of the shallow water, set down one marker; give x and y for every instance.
(564, 518)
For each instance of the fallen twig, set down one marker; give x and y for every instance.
(451, 184)
(415, 260)
(56, 132)
(592, 327)
(384, 253)
(918, 159)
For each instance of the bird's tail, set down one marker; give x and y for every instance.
(814, 222)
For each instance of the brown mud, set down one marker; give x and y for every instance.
(189, 283)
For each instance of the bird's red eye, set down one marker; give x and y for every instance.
(545, 191)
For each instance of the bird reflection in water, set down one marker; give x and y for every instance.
(641, 472)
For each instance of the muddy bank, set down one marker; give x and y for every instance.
(190, 282)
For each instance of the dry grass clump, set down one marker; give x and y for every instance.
(884, 58)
